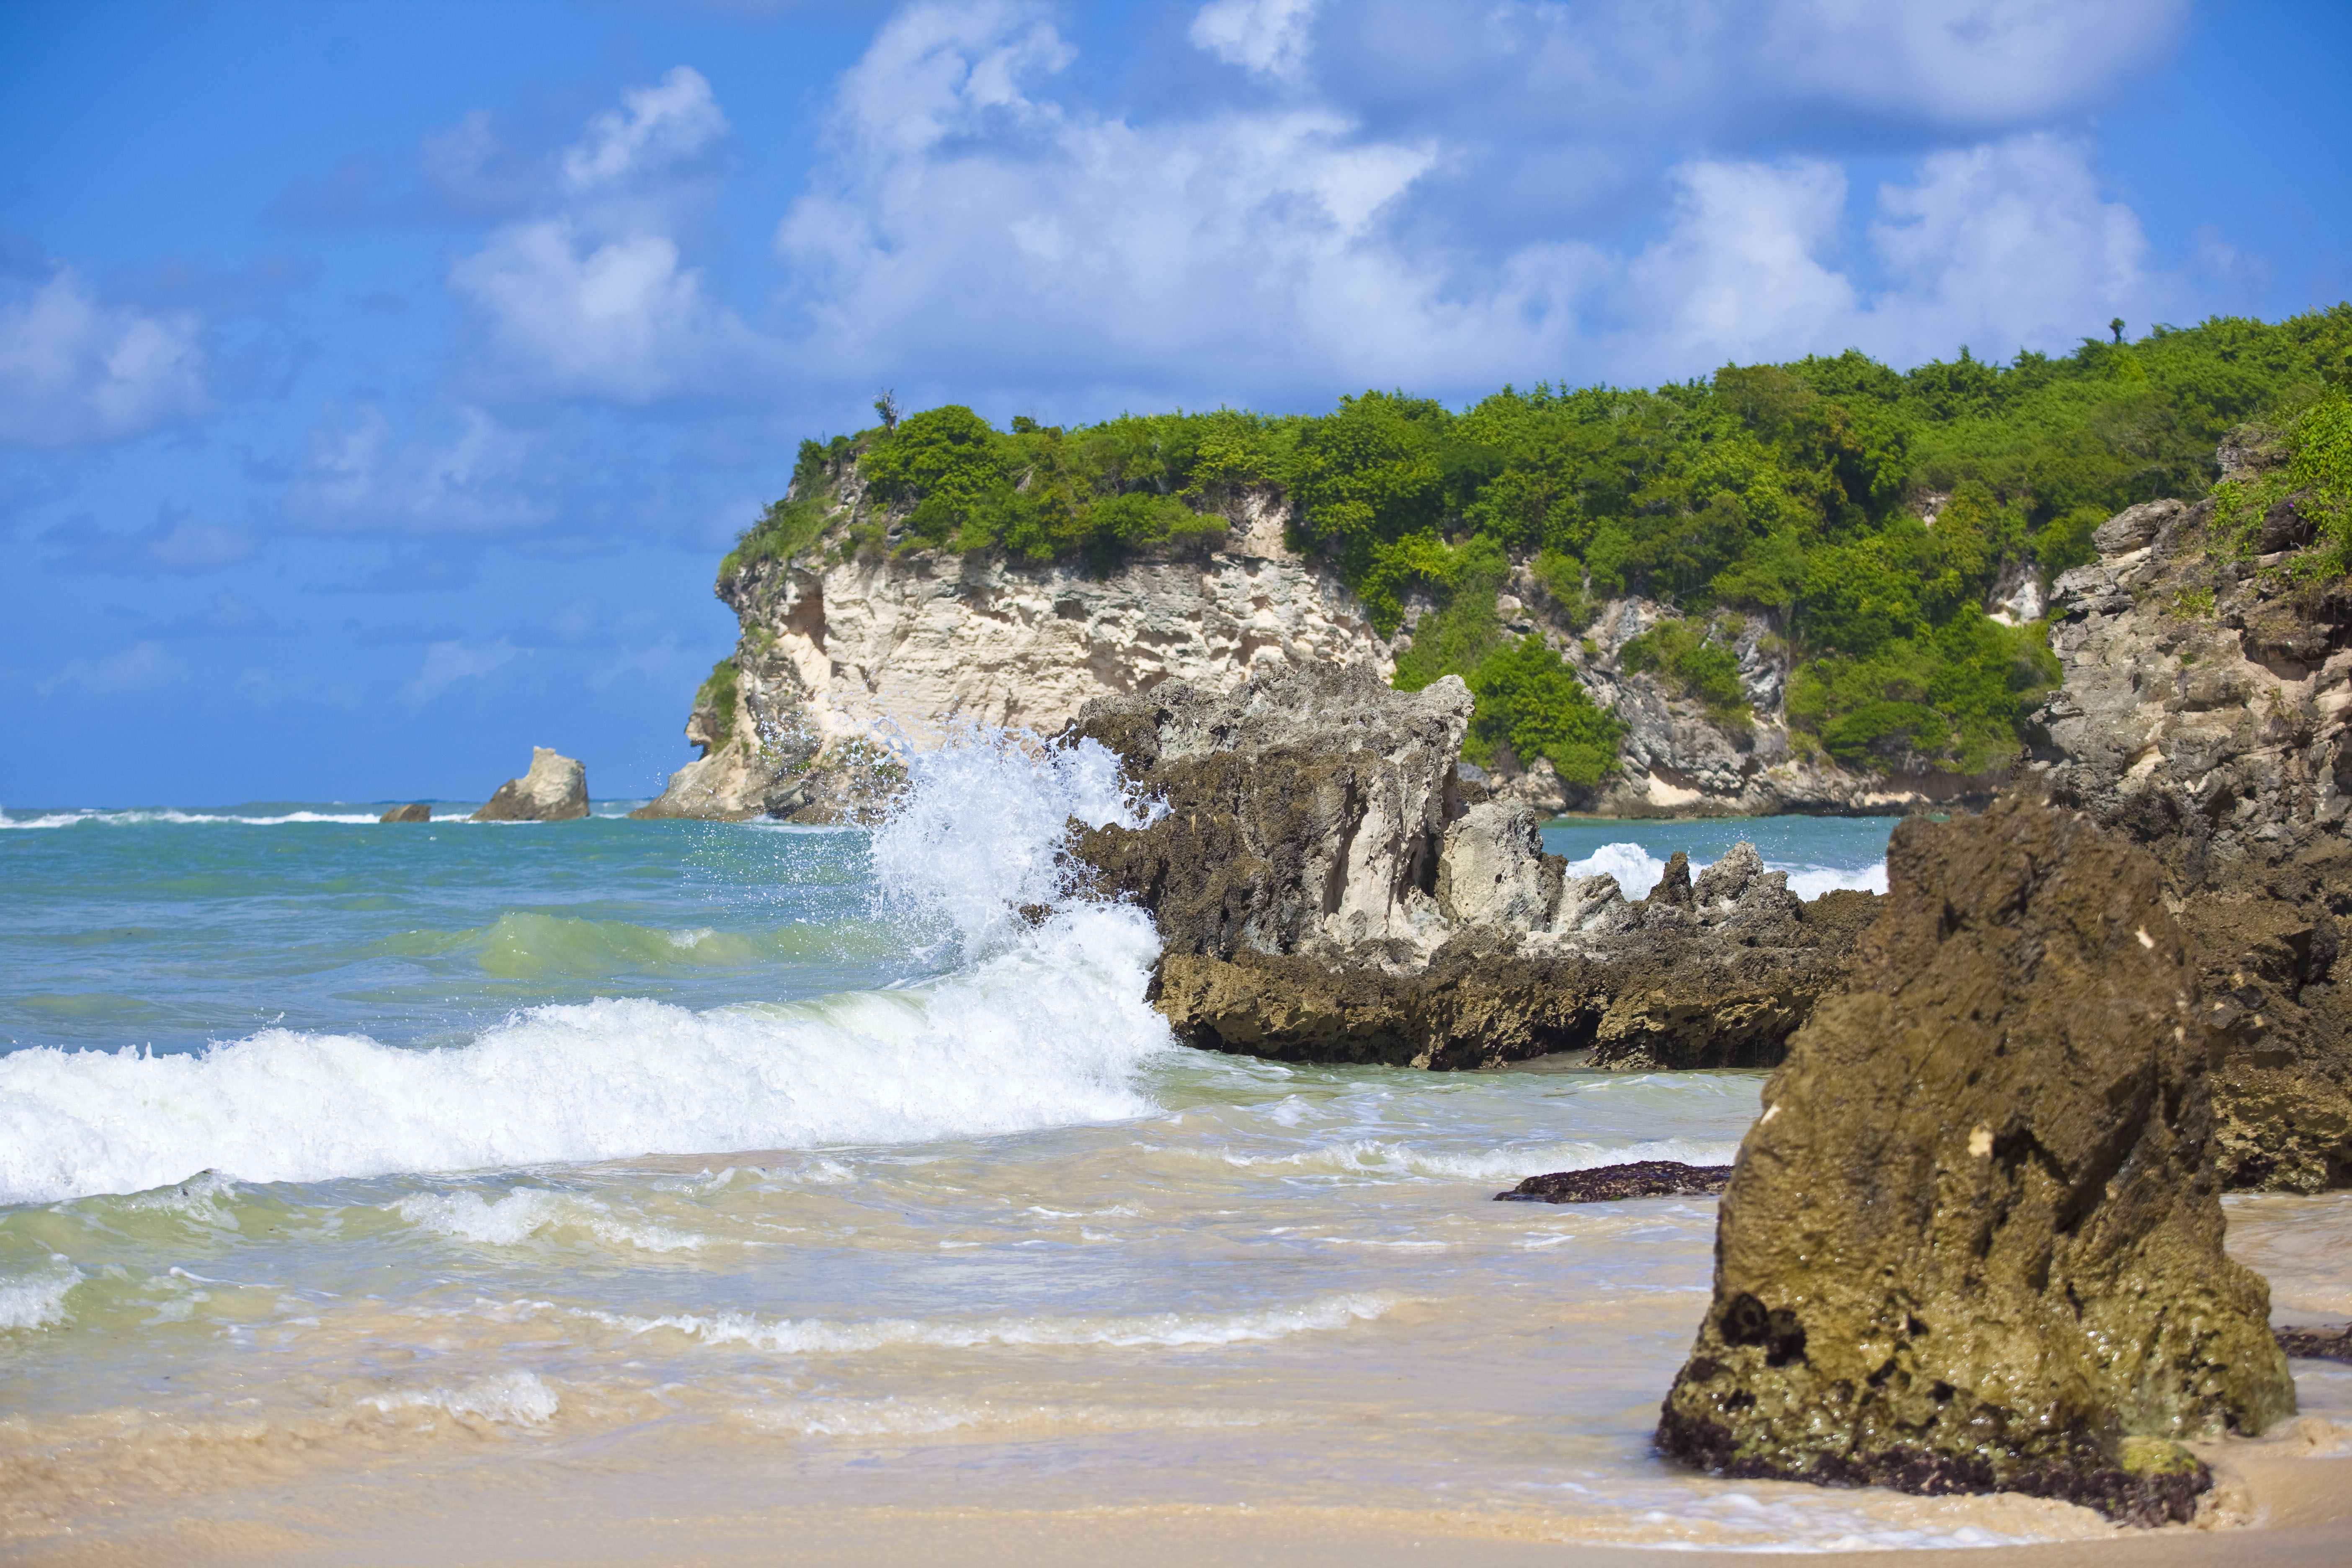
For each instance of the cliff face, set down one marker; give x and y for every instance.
(844, 648)
(847, 648)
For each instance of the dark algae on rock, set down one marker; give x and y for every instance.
(1607, 1183)
(1974, 1241)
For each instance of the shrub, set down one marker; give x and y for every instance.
(1700, 670)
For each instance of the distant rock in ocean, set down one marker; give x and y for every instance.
(1974, 1243)
(418, 811)
(554, 789)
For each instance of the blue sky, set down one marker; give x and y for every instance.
(380, 384)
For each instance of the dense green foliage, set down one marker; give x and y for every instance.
(2309, 463)
(1692, 664)
(1870, 514)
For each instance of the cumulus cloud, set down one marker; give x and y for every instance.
(1267, 37)
(976, 225)
(75, 370)
(971, 227)
(595, 299)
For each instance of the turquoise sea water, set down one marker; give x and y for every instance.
(341, 1161)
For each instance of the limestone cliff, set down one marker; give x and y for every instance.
(845, 650)
(856, 641)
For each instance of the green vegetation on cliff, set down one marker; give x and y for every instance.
(1871, 515)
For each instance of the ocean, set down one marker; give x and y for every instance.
(346, 1166)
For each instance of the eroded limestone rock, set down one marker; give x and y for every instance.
(415, 812)
(554, 789)
(1325, 892)
(1974, 1242)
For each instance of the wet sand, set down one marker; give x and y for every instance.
(2291, 1511)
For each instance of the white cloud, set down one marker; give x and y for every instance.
(977, 230)
(658, 127)
(1268, 37)
(2003, 246)
(621, 320)
(446, 663)
(360, 475)
(73, 370)
(594, 299)
(969, 227)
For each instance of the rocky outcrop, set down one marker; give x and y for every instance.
(2204, 716)
(1974, 1242)
(554, 789)
(1325, 890)
(1610, 1184)
(847, 652)
(415, 812)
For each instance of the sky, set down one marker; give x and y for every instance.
(380, 385)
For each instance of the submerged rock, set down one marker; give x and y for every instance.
(415, 812)
(1974, 1242)
(1634, 1179)
(1325, 891)
(554, 789)
(2318, 1344)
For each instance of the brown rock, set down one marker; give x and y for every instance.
(419, 812)
(554, 789)
(1974, 1242)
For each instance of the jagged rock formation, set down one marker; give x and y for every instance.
(1609, 1183)
(415, 812)
(554, 789)
(2203, 715)
(1324, 891)
(1975, 1240)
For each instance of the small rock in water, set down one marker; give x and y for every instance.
(2319, 1345)
(416, 812)
(554, 789)
(1974, 1243)
(1634, 1179)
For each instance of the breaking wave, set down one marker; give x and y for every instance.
(1026, 1021)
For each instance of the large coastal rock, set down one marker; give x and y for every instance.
(1974, 1242)
(1326, 890)
(554, 789)
(2203, 715)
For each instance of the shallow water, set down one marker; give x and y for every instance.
(794, 1163)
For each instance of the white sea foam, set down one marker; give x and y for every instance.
(1393, 1160)
(168, 815)
(966, 848)
(37, 1301)
(816, 1336)
(1049, 1028)
(1637, 872)
(525, 1212)
(513, 1398)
